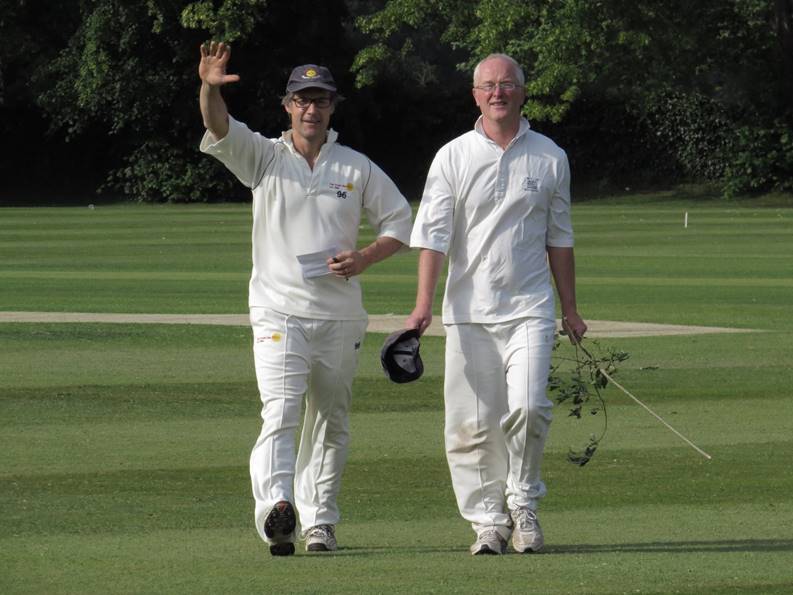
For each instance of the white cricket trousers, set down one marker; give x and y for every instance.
(296, 357)
(497, 417)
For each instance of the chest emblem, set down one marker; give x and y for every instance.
(342, 189)
(531, 184)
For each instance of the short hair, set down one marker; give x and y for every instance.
(335, 98)
(514, 63)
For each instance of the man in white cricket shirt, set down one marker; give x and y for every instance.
(497, 203)
(309, 193)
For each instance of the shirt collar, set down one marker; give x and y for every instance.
(286, 136)
(522, 129)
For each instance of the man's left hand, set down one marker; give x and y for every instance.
(574, 326)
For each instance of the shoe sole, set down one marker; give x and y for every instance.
(279, 525)
(486, 551)
(282, 549)
(530, 550)
(318, 547)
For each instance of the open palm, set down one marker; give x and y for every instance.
(212, 68)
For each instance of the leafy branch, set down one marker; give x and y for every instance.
(581, 386)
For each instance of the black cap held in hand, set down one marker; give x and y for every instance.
(400, 356)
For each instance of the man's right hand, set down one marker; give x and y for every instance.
(212, 68)
(420, 319)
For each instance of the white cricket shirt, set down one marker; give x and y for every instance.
(298, 211)
(493, 212)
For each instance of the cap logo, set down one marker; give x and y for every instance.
(310, 74)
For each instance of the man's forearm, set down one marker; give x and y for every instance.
(562, 263)
(430, 265)
(380, 249)
(213, 111)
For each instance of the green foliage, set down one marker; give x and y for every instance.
(675, 88)
(710, 80)
(125, 70)
(232, 20)
(124, 77)
(578, 385)
(158, 170)
(761, 158)
(695, 129)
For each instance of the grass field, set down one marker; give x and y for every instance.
(125, 447)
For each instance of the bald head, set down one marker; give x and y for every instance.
(517, 71)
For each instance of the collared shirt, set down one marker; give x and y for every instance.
(298, 211)
(493, 212)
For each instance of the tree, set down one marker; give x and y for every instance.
(120, 78)
(708, 82)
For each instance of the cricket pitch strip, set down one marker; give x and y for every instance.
(378, 323)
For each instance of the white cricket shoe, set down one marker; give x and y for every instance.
(527, 534)
(489, 542)
(321, 538)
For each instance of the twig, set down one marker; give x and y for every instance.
(654, 414)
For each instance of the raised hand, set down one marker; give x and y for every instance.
(215, 57)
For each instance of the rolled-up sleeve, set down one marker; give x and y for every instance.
(433, 226)
(559, 233)
(246, 154)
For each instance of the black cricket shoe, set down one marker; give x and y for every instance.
(280, 526)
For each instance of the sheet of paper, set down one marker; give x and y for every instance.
(316, 264)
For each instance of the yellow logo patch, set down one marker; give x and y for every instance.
(274, 337)
(311, 73)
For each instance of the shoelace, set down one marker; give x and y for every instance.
(526, 519)
(322, 531)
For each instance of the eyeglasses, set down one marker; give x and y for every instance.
(304, 102)
(490, 87)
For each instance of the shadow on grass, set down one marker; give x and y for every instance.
(679, 547)
(673, 547)
(367, 551)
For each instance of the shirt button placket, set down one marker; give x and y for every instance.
(501, 183)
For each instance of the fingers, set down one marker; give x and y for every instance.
(417, 323)
(425, 324)
(347, 264)
(216, 49)
(574, 329)
(341, 267)
(212, 67)
(420, 319)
